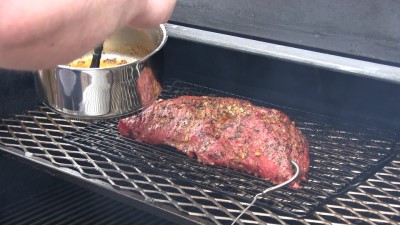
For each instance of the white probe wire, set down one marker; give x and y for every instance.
(257, 196)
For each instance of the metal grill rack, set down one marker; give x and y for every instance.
(341, 157)
(38, 134)
(68, 204)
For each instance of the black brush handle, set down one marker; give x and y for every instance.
(96, 56)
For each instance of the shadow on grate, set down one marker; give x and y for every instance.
(67, 204)
(342, 155)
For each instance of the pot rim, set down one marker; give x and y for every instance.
(162, 43)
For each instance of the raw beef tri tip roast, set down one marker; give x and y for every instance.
(224, 131)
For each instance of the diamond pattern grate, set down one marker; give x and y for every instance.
(38, 133)
(341, 156)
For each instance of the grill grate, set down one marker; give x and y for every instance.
(68, 204)
(342, 155)
(38, 133)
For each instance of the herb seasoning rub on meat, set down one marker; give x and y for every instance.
(224, 131)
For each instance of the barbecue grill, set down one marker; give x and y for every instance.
(66, 170)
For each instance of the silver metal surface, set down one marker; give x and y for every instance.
(98, 93)
(285, 53)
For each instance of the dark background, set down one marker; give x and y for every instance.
(364, 29)
(298, 86)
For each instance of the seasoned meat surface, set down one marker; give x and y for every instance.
(224, 131)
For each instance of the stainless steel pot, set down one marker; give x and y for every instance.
(98, 93)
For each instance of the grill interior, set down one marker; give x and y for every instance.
(65, 203)
(342, 155)
(38, 134)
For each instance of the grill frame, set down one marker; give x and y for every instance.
(325, 215)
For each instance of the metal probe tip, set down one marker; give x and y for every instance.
(294, 177)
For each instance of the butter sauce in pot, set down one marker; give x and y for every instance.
(110, 59)
(119, 51)
(105, 62)
(125, 82)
